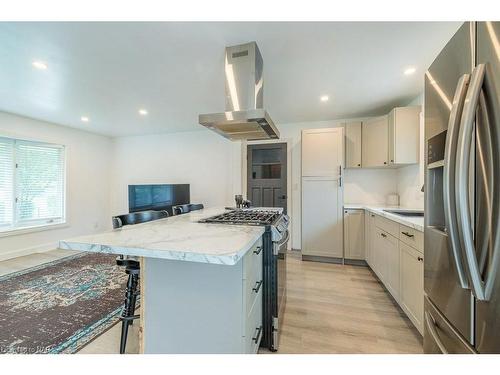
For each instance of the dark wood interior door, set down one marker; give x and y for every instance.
(267, 175)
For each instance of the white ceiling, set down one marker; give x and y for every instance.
(107, 71)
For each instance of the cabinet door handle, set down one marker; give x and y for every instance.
(385, 162)
(257, 250)
(258, 332)
(383, 235)
(359, 165)
(408, 234)
(373, 215)
(257, 286)
(420, 259)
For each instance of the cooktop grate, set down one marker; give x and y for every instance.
(248, 217)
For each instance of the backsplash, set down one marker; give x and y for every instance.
(410, 181)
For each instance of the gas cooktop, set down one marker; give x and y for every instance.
(246, 217)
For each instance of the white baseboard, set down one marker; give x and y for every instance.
(28, 251)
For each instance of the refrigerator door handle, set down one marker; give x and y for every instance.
(431, 325)
(493, 114)
(450, 212)
(462, 180)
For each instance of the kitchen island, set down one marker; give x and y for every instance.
(200, 283)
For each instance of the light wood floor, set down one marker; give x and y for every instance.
(330, 309)
(333, 308)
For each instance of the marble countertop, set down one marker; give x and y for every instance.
(176, 237)
(412, 222)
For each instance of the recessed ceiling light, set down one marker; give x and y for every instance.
(39, 65)
(84, 119)
(409, 71)
(143, 112)
(324, 98)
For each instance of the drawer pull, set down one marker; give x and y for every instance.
(258, 332)
(257, 250)
(408, 234)
(373, 215)
(257, 286)
(420, 259)
(383, 235)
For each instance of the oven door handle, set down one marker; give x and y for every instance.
(277, 245)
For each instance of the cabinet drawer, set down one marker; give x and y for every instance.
(252, 260)
(387, 225)
(412, 237)
(252, 286)
(254, 328)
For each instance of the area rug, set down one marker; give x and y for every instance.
(59, 307)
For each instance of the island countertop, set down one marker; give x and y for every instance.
(179, 237)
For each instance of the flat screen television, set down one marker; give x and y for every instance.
(157, 197)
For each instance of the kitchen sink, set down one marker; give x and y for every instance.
(406, 213)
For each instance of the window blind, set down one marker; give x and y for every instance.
(40, 181)
(6, 181)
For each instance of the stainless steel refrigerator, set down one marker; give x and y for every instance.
(462, 194)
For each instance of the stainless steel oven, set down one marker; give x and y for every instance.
(281, 270)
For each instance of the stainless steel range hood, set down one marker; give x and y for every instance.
(245, 117)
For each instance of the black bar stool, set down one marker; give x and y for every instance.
(132, 268)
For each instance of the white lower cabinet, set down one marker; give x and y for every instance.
(379, 254)
(354, 241)
(398, 265)
(412, 284)
(391, 249)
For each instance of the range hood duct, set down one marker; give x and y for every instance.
(245, 117)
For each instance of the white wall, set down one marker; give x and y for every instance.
(87, 196)
(208, 162)
(411, 178)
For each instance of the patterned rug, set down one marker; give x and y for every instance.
(59, 307)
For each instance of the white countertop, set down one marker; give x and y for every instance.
(177, 237)
(413, 222)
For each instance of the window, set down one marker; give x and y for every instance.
(31, 184)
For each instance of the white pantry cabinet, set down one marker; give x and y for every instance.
(322, 217)
(322, 152)
(322, 193)
(404, 135)
(412, 284)
(353, 144)
(375, 151)
(354, 241)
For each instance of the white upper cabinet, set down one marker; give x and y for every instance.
(375, 142)
(353, 144)
(322, 152)
(404, 134)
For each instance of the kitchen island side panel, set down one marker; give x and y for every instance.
(192, 307)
